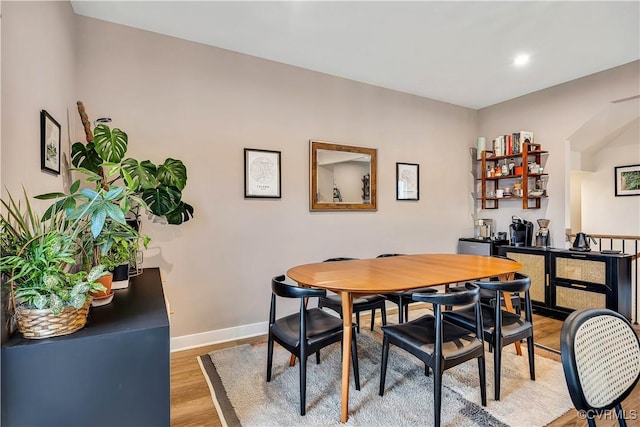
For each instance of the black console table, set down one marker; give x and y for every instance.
(113, 372)
(563, 280)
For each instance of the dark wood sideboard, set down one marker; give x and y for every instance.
(113, 372)
(563, 281)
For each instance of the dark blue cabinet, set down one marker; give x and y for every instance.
(113, 372)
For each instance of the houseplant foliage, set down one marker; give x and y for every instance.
(38, 259)
(158, 186)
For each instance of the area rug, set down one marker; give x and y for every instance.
(236, 378)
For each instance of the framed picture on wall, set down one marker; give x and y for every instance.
(262, 173)
(407, 181)
(627, 180)
(49, 143)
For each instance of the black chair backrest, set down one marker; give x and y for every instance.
(388, 255)
(600, 357)
(289, 291)
(339, 259)
(520, 283)
(471, 296)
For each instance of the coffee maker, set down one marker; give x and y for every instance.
(543, 238)
(520, 231)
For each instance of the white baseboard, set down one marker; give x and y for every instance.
(186, 342)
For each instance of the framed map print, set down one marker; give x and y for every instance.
(261, 173)
(49, 143)
(407, 181)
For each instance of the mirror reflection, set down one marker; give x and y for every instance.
(342, 177)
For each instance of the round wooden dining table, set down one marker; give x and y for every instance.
(383, 275)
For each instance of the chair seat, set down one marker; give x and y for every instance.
(320, 325)
(514, 327)
(393, 296)
(419, 335)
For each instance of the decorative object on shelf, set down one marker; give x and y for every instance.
(262, 176)
(481, 146)
(627, 180)
(49, 143)
(345, 166)
(38, 255)
(407, 181)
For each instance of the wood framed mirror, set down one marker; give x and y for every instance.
(342, 177)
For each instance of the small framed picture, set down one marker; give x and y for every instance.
(50, 143)
(261, 173)
(407, 181)
(627, 180)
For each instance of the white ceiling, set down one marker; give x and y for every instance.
(457, 52)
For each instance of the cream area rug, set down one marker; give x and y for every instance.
(237, 379)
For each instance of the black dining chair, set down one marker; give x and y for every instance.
(360, 304)
(488, 297)
(305, 332)
(601, 361)
(439, 344)
(403, 298)
(501, 328)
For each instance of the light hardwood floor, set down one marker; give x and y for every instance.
(191, 403)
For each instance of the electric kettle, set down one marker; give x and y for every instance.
(581, 243)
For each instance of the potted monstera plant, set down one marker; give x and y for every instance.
(159, 186)
(50, 294)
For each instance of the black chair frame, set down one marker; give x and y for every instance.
(494, 318)
(443, 331)
(306, 344)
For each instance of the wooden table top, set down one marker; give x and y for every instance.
(381, 275)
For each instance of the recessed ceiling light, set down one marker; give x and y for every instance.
(521, 60)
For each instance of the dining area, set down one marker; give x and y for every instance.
(440, 344)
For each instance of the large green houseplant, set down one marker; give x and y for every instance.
(40, 262)
(159, 186)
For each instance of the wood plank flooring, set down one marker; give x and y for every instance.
(191, 403)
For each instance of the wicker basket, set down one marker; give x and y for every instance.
(38, 324)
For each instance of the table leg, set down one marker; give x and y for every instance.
(347, 309)
(509, 306)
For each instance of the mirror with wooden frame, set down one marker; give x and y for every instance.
(343, 177)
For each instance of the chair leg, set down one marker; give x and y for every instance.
(383, 365)
(383, 311)
(591, 421)
(406, 312)
(483, 380)
(532, 363)
(400, 311)
(373, 317)
(620, 414)
(303, 385)
(437, 396)
(497, 363)
(269, 357)
(358, 321)
(354, 361)
(426, 370)
(318, 357)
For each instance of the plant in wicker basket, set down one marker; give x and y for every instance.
(49, 298)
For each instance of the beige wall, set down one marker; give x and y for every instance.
(204, 105)
(553, 115)
(38, 73)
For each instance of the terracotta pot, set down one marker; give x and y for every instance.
(106, 282)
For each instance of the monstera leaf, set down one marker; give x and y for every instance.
(181, 214)
(110, 144)
(173, 173)
(161, 200)
(142, 173)
(85, 156)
